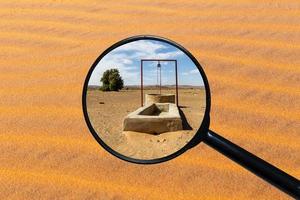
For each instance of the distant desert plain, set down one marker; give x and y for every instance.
(249, 49)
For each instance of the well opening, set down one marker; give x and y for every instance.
(155, 110)
(159, 98)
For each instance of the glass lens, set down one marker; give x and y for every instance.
(146, 99)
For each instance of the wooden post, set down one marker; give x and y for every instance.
(142, 101)
(160, 80)
(176, 83)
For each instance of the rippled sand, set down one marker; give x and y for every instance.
(249, 51)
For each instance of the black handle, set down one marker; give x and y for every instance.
(263, 169)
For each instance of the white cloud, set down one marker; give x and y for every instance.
(169, 54)
(141, 46)
(125, 59)
(191, 72)
(194, 71)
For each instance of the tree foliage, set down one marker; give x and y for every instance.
(111, 80)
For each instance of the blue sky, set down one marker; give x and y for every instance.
(127, 58)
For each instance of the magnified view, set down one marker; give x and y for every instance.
(145, 99)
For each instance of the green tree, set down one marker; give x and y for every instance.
(111, 80)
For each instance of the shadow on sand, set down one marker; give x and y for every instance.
(183, 106)
(185, 123)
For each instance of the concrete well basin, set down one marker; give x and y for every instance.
(154, 118)
(159, 98)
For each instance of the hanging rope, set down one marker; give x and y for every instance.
(157, 75)
(159, 66)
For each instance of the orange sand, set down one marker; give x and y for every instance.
(248, 49)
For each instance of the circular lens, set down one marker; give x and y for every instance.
(145, 99)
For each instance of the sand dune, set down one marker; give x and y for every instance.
(249, 51)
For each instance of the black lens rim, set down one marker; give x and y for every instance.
(201, 132)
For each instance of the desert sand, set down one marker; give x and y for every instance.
(248, 49)
(107, 110)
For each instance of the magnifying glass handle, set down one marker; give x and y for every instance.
(263, 169)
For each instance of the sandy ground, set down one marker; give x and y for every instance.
(248, 49)
(107, 120)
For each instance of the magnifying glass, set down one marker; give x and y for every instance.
(146, 100)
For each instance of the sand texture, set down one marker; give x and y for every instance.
(250, 51)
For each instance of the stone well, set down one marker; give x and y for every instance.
(159, 98)
(154, 118)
